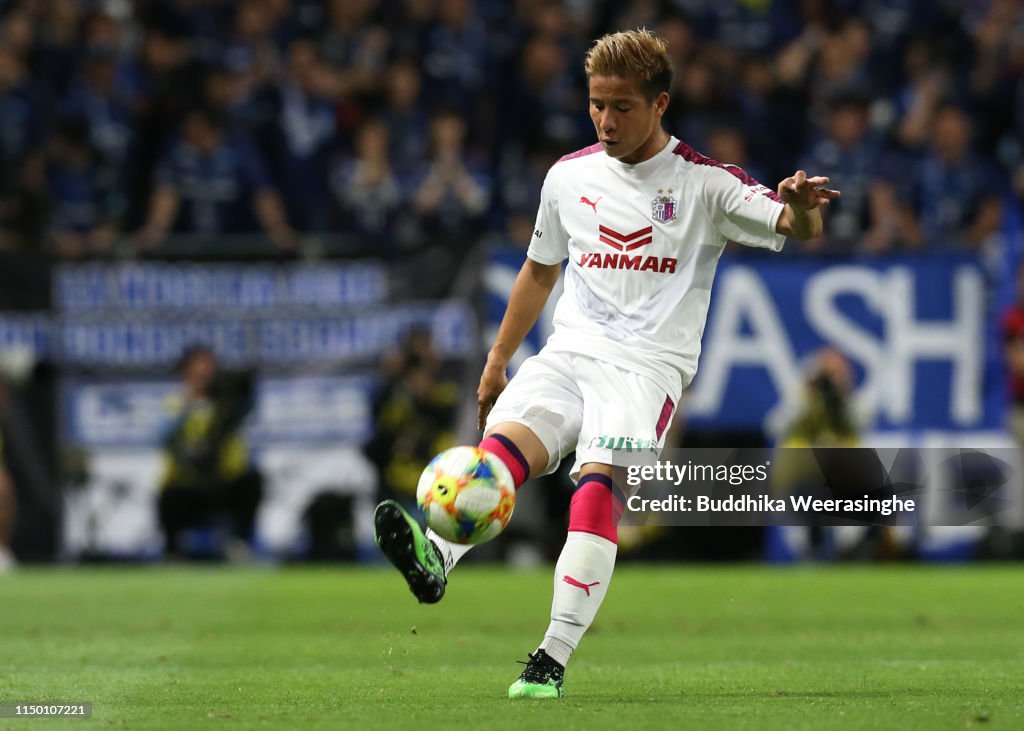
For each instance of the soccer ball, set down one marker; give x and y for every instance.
(467, 495)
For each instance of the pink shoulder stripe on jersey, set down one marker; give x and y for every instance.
(691, 155)
(596, 147)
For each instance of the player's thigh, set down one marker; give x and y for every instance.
(625, 416)
(544, 398)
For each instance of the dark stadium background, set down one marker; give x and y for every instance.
(404, 145)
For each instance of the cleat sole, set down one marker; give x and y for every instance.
(397, 542)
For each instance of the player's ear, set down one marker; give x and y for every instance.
(661, 103)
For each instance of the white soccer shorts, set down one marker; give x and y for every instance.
(575, 402)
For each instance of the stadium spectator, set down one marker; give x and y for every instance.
(678, 32)
(21, 117)
(17, 34)
(354, 46)
(824, 62)
(842, 65)
(166, 74)
(997, 37)
(453, 193)
(58, 42)
(211, 183)
(368, 196)
(83, 219)
(543, 107)
(404, 116)
(927, 79)
(635, 14)
(410, 28)
(774, 115)
(251, 48)
(103, 103)
(207, 475)
(455, 57)
(895, 24)
(757, 29)
(306, 127)
(245, 72)
(520, 192)
(955, 192)
(245, 110)
(25, 211)
(867, 217)
(727, 142)
(698, 101)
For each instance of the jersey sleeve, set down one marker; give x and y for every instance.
(549, 243)
(743, 210)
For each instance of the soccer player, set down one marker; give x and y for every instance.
(642, 219)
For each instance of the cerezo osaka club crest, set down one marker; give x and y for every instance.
(663, 207)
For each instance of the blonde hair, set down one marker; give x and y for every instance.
(635, 54)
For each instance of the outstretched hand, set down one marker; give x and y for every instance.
(492, 383)
(804, 194)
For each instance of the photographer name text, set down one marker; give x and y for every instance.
(764, 504)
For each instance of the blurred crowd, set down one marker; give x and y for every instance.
(401, 122)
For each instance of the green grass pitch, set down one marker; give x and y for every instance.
(675, 647)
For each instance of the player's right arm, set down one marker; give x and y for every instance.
(530, 292)
(549, 247)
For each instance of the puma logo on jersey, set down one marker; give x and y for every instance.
(592, 204)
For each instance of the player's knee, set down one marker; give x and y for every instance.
(516, 443)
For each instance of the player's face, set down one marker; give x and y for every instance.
(628, 125)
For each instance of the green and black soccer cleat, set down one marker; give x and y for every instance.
(404, 543)
(542, 678)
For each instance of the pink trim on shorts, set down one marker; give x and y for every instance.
(663, 418)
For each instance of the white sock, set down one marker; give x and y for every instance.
(450, 552)
(582, 575)
(557, 650)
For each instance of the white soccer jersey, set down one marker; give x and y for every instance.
(643, 242)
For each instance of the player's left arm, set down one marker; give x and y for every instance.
(804, 198)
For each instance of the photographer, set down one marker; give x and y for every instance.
(414, 414)
(825, 418)
(208, 475)
(819, 457)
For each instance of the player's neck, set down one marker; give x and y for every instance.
(654, 144)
